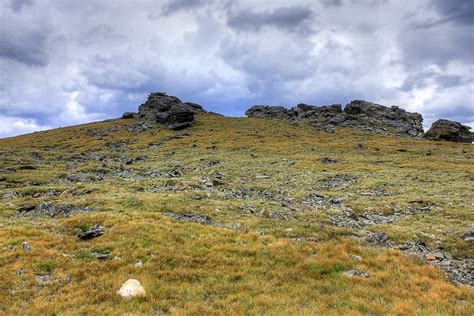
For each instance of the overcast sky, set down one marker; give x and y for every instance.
(64, 62)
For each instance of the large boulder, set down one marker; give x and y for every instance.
(168, 110)
(131, 288)
(450, 131)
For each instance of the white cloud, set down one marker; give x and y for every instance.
(10, 126)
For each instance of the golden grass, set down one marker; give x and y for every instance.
(195, 269)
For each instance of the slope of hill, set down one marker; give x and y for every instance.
(235, 215)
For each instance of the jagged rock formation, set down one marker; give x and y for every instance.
(168, 110)
(451, 131)
(357, 114)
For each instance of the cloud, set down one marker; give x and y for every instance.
(174, 6)
(18, 5)
(23, 42)
(10, 126)
(64, 62)
(296, 19)
(457, 11)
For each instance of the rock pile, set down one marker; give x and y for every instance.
(451, 131)
(168, 110)
(357, 114)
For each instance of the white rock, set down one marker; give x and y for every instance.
(138, 264)
(131, 288)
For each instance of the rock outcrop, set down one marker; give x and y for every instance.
(451, 131)
(168, 110)
(357, 114)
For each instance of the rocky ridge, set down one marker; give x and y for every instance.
(358, 114)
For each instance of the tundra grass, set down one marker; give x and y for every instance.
(247, 264)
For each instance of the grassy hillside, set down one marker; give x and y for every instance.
(276, 217)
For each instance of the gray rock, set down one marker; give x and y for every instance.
(468, 236)
(274, 215)
(43, 278)
(128, 115)
(262, 111)
(357, 114)
(8, 195)
(351, 273)
(329, 161)
(26, 246)
(93, 232)
(169, 110)
(376, 238)
(196, 218)
(450, 131)
(50, 209)
(197, 108)
(80, 177)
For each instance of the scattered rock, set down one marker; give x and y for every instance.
(376, 238)
(50, 209)
(7, 170)
(101, 255)
(8, 195)
(340, 180)
(468, 236)
(450, 131)
(80, 177)
(347, 218)
(300, 239)
(196, 218)
(9, 247)
(351, 273)
(217, 181)
(138, 264)
(262, 176)
(329, 161)
(93, 232)
(458, 270)
(25, 246)
(356, 258)
(131, 288)
(274, 215)
(20, 271)
(27, 167)
(377, 191)
(211, 163)
(43, 278)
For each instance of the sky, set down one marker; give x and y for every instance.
(66, 62)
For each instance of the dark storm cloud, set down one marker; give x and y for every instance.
(427, 78)
(332, 3)
(17, 5)
(173, 6)
(458, 11)
(291, 19)
(28, 46)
